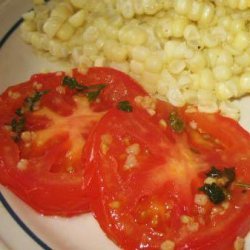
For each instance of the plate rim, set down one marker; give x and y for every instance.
(21, 223)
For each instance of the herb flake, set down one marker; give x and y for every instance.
(125, 106)
(214, 192)
(19, 112)
(214, 173)
(227, 174)
(176, 123)
(72, 83)
(31, 101)
(18, 124)
(94, 91)
(218, 190)
(91, 92)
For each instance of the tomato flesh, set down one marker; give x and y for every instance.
(119, 87)
(151, 199)
(138, 170)
(46, 173)
(45, 169)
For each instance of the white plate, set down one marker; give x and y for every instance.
(21, 227)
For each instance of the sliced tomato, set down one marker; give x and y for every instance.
(49, 150)
(223, 131)
(44, 165)
(119, 86)
(221, 139)
(42, 162)
(145, 190)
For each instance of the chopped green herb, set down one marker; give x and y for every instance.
(228, 174)
(218, 191)
(176, 122)
(214, 173)
(125, 106)
(31, 101)
(17, 125)
(94, 91)
(19, 112)
(72, 83)
(214, 192)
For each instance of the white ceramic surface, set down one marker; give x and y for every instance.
(17, 62)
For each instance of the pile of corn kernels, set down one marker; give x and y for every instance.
(183, 51)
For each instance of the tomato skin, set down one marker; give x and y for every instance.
(100, 193)
(9, 154)
(35, 167)
(138, 175)
(129, 235)
(8, 107)
(220, 238)
(126, 203)
(221, 131)
(204, 121)
(49, 146)
(119, 86)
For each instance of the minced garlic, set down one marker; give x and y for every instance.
(106, 140)
(168, 245)
(22, 164)
(14, 95)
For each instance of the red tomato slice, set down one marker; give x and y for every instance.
(144, 192)
(221, 139)
(120, 86)
(225, 137)
(43, 166)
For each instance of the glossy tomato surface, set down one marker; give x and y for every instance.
(41, 156)
(120, 86)
(44, 124)
(148, 173)
(155, 176)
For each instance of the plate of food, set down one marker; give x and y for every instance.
(125, 125)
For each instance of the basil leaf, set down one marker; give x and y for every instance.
(214, 173)
(214, 192)
(17, 125)
(93, 94)
(227, 173)
(19, 112)
(72, 83)
(176, 123)
(31, 101)
(219, 188)
(125, 106)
